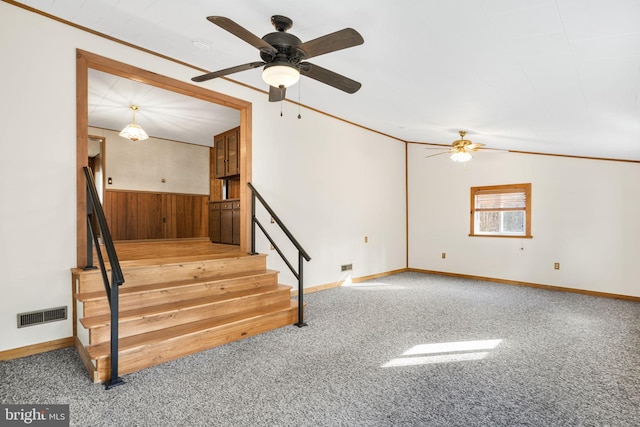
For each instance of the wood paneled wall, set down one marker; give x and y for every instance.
(134, 215)
(233, 188)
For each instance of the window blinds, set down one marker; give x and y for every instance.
(493, 201)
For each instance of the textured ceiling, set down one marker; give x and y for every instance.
(560, 76)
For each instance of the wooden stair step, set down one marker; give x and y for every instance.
(150, 248)
(96, 303)
(170, 260)
(150, 271)
(105, 319)
(131, 290)
(152, 348)
(167, 315)
(132, 343)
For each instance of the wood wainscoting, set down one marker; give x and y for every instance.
(136, 215)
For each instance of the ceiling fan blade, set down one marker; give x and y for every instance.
(499, 150)
(243, 33)
(329, 77)
(331, 42)
(475, 146)
(227, 71)
(277, 93)
(437, 154)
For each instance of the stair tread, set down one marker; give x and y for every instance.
(105, 319)
(170, 260)
(124, 290)
(99, 351)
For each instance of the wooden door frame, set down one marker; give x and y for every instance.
(103, 156)
(86, 60)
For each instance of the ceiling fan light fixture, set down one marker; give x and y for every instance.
(461, 156)
(280, 75)
(133, 131)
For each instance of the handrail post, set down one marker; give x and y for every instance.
(300, 323)
(114, 379)
(89, 265)
(253, 223)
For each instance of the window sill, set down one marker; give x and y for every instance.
(501, 235)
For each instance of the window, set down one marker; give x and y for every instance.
(501, 211)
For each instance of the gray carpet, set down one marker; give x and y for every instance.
(561, 360)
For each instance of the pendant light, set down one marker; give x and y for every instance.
(133, 131)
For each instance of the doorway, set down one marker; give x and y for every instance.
(85, 61)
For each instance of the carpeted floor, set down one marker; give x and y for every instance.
(404, 350)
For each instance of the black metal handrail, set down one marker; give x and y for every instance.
(302, 254)
(117, 278)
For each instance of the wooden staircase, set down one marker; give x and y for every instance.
(178, 305)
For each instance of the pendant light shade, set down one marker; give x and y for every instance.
(280, 75)
(133, 131)
(461, 156)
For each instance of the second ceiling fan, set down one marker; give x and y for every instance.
(284, 56)
(461, 149)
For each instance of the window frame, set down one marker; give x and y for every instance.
(499, 189)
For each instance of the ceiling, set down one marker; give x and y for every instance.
(162, 113)
(558, 77)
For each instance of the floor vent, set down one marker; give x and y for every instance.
(42, 316)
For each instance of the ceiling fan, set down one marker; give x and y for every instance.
(461, 149)
(284, 56)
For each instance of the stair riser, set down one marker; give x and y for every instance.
(181, 293)
(91, 281)
(278, 299)
(185, 345)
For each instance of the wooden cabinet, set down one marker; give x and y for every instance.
(227, 153)
(224, 222)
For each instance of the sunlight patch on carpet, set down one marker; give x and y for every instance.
(447, 352)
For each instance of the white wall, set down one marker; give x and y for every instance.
(331, 182)
(584, 216)
(339, 184)
(142, 165)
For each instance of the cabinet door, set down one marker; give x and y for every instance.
(233, 166)
(236, 223)
(226, 223)
(220, 156)
(214, 223)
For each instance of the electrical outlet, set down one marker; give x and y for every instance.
(444, 255)
(346, 267)
(366, 239)
(556, 266)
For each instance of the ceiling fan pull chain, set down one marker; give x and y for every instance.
(281, 101)
(299, 84)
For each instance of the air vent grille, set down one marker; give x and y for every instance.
(42, 316)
